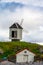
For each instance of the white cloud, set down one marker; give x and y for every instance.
(27, 2)
(32, 19)
(4, 33)
(33, 23)
(20, 1)
(40, 43)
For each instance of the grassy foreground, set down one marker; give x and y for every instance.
(10, 48)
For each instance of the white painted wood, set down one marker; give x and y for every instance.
(19, 33)
(25, 57)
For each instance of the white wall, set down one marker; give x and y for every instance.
(19, 33)
(19, 56)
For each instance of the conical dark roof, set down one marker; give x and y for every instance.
(16, 25)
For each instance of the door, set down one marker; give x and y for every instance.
(25, 58)
(14, 34)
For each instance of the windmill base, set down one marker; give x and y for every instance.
(15, 40)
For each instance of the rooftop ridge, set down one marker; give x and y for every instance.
(16, 25)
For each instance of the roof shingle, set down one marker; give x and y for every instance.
(16, 25)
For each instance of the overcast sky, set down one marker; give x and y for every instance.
(30, 10)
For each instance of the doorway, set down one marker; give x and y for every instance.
(25, 58)
(14, 34)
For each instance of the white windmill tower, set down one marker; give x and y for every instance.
(15, 31)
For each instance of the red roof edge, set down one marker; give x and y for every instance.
(24, 49)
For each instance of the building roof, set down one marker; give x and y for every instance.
(16, 25)
(25, 49)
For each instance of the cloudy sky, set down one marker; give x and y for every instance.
(30, 10)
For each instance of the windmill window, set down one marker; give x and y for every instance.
(14, 34)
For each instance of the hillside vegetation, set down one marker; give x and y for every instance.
(10, 48)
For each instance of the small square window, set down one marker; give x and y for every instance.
(25, 51)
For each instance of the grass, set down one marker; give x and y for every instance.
(10, 48)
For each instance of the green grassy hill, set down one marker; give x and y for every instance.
(10, 48)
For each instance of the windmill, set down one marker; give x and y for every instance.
(15, 31)
(21, 23)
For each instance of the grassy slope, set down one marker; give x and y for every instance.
(10, 48)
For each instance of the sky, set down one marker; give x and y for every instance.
(31, 11)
